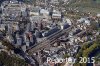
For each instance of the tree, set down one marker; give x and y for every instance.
(66, 56)
(94, 25)
(7, 44)
(7, 60)
(88, 50)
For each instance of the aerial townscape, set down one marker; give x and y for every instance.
(49, 32)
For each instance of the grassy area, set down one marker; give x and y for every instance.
(92, 6)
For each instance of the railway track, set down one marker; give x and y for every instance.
(49, 40)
